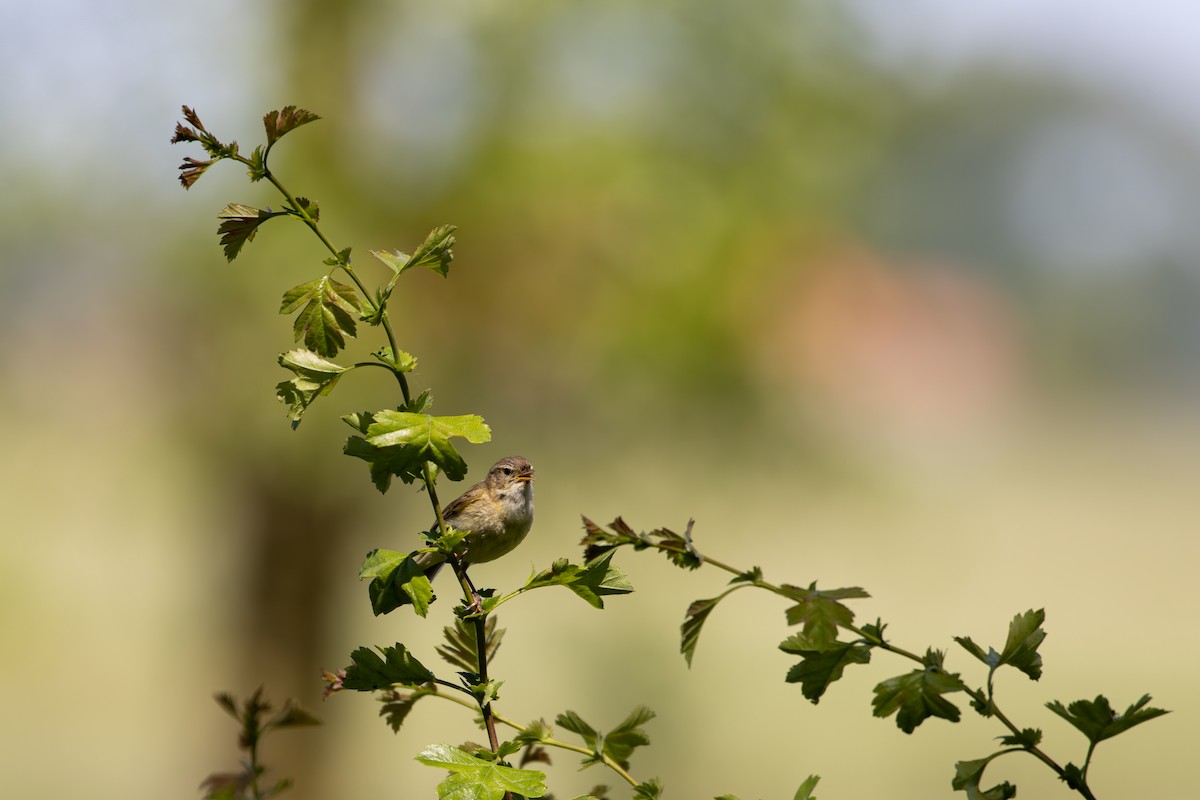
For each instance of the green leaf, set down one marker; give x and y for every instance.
(591, 581)
(435, 253)
(257, 168)
(396, 261)
(820, 611)
(693, 621)
(917, 695)
(462, 645)
(1028, 738)
(396, 580)
(752, 575)
(417, 438)
(873, 632)
(368, 672)
(648, 790)
(819, 668)
(1025, 635)
(1096, 719)
(1073, 776)
(384, 463)
(314, 377)
(239, 226)
(305, 209)
(805, 792)
(474, 778)
(277, 123)
(537, 731)
(968, 774)
(697, 614)
(404, 362)
(328, 314)
(677, 547)
(619, 743)
(339, 259)
(576, 724)
(397, 705)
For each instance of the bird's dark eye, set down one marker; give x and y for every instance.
(506, 470)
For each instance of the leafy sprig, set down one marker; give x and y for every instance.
(829, 641)
(254, 725)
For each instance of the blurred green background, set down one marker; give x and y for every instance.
(895, 295)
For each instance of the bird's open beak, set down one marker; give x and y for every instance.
(524, 476)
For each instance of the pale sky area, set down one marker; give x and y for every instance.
(1147, 49)
(62, 56)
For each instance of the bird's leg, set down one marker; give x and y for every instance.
(460, 569)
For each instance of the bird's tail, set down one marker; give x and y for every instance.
(430, 563)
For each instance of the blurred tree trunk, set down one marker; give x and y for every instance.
(294, 516)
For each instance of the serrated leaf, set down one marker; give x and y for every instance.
(328, 314)
(821, 611)
(435, 253)
(239, 224)
(277, 123)
(306, 208)
(591, 581)
(315, 377)
(339, 259)
(1027, 738)
(873, 632)
(462, 644)
(818, 668)
(1025, 635)
(990, 657)
(1096, 719)
(619, 743)
(537, 731)
(917, 695)
(695, 618)
(693, 621)
(384, 463)
(569, 720)
(368, 672)
(752, 575)
(474, 778)
(677, 547)
(191, 169)
(422, 437)
(968, 774)
(396, 580)
(1073, 776)
(257, 168)
(396, 706)
(648, 790)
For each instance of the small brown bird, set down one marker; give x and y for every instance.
(498, 512)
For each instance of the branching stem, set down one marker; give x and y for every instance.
(986, 701)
